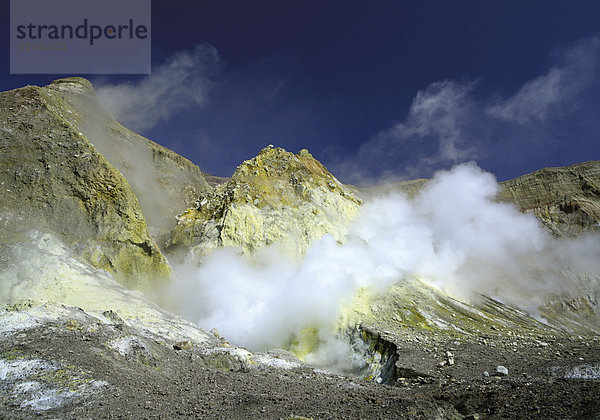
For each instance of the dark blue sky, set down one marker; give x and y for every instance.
(371, 88)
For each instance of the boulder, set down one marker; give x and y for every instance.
(501, 371)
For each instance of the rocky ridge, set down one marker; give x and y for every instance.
(74, 343)
(149, 168)
(275, 198)
(566, 200)
(53, 179)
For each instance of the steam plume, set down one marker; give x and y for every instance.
(453, 235)
(184, 80)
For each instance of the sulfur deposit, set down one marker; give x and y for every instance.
(54, 180)
(276, 197)
(283, 254)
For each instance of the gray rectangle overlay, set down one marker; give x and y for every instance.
(80, 36)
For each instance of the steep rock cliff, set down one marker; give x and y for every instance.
(151, 169)
(566, 199)
(54, 180)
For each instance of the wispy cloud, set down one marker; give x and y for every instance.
(438, 114)
(183, 80)
(554, 93)
(438, 129)
(451, 122)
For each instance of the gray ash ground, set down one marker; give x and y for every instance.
(157, 381)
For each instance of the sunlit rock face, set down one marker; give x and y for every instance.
(566, 200)
(276, 197)
(151, 170)
(53, 179)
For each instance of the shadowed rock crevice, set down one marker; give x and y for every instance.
(379, 355)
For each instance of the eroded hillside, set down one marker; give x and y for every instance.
(84, 202)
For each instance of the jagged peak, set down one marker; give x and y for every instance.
(73, 85)
(276, 160)
(304, 153)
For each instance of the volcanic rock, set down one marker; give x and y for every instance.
(566, 200)
(150, 169)
(501, 371)
(276, 197)
(54, 180)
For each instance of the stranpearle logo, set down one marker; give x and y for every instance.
(80, 36)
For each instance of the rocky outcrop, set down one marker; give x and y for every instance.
(566, 199)
(276, 197)
(53, 179)
(75, 343)
(416, 331)
(151, 169)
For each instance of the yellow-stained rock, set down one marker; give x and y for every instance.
(150, 169)
(276, 197)
(54, 180)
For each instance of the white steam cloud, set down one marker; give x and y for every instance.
(453, 235)
(183, 80)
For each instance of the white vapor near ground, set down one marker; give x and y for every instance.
(453, 235)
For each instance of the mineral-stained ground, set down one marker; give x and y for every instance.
(82, 237)
(71, 370)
